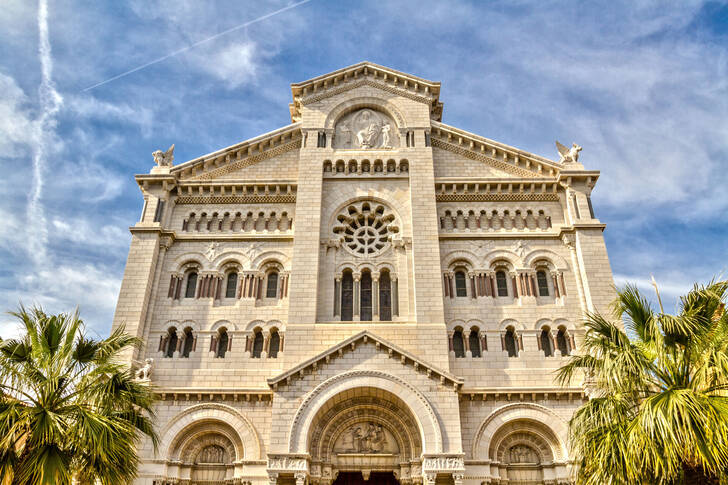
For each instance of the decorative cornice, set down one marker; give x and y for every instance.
(236, 199)
(496, 190)
(214, 395)
(499, 164)
(497, 197)
(366, 82)
(365, 336)
(248, 161)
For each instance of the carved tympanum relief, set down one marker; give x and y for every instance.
(366, 129)
(366, 228)
(522, 454)
(211, 454)
(366, 437)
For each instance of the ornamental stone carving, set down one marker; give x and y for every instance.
(286, 463)
(366, 437)
(443, 462)
(164, 159)
(366, 129)
(366, 228)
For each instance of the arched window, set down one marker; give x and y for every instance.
(366, 296)
(385, 297)
(543, 283)
(271, 290)
(347, 296)
(474, 342)
(257, 344)
(461, 288)
(545, 339)
(562, 341)
(232, 284)
(510, 343)
(191, 285)
(458, 345)
(222, 344)
(502, 283)
(275, 343)
(188, 344)
(171, 343)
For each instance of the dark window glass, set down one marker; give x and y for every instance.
(501, 283)
(511, 345)
(474, 342)
(543, 283)
(187, 347)
(257, 345)
(222, 344)
(275, 343)
(191, 285)
(546, 343)
(562, 342)
(271, 290)
(366, 297)
(427, 139)
(347, 297)
(171, 344)
(457, 344)
(385, 297)
(460, 284)
(232, 285)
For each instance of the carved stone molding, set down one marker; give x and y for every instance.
(443, 463)
(247, 161)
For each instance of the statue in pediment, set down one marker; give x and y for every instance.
(568, 155)
(365, 129)
(164, 159)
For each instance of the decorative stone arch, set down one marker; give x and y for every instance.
(543, 322)
(509, 257)
(367, 198)
(427, 422)
(230, 326)
(188, 323)
(229, 262)
(371, 102)
(253, 324)
(452, 259)
(367, 266)
(189, 261)
(509, 322)
(269, 260)
(453, 324)
(553, 260)
(386, 266)
(567, 324)
(346, 265)
(248, 445)
(527, 417)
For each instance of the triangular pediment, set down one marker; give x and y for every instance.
(350, 345)
(234, 162)
(366, 74)
(499, 160)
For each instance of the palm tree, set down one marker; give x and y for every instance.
(69, 407)
(658, 412)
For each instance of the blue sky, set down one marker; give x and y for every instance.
(642, 86)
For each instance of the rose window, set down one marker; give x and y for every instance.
(365, 228)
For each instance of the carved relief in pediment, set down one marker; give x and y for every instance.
(368, 438)
(366, 129)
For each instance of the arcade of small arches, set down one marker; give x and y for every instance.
(259, 221)
(260, 343)
(494, 220)
(268, 283)
(365, 166)
(367, 295)
(502, 281)
(473, 342)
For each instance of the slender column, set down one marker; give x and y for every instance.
(357, 277)
(446, 285)
(337, 295)
(556, 285)
(515, 285)
(473, 290)
(375, 297)
(395, 296)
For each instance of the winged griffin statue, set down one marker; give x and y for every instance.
(568, 155)
(164, 159)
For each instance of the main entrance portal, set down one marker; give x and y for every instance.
(375, 478)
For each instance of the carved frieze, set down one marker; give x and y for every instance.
(287, 463)
(443, 463)
(366, 129)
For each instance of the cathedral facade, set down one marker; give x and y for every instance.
(366, 294)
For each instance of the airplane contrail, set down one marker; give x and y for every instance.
(50, 104)
(179, 51)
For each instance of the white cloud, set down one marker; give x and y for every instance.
(18, 129)
(236, 63)
(89, 107)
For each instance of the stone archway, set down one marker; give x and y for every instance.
(363, 431)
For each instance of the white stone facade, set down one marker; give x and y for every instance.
(364, 290)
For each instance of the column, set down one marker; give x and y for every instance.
(375, 297)
(357, 277)
(337, 295)
(395, 296)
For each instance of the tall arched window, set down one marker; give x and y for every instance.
(222, 344)
(543, 283)
(271, 289)
(502, 283)
(171, 342)
(232, 284)
(257, 344)
(545, 339)
(188, 343)
(385, 297)
(474, 342)
(347, 296)
(562, 341)
(191, 285)
(366, 296)
(458, 345)
(275, 344)
(510, 343)
(461, 288)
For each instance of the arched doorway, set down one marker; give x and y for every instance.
(362, 433)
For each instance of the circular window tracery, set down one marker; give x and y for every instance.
(365, 228)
